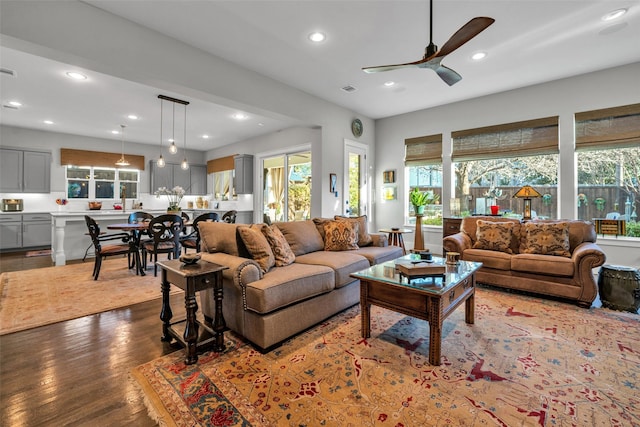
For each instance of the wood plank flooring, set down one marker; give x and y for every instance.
(76, 373)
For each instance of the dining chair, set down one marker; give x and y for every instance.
(164, 231)
(103, 251)
(230, 216)
(135, 217)
(192, 240)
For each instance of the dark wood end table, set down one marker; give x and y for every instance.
(191, 279)
(395, 237)
(432, 299)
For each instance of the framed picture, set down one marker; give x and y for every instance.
(333, 182)
(389, 192)
(389, 177)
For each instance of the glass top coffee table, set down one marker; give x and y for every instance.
(431, 298)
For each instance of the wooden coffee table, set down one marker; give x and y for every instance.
(432, 298)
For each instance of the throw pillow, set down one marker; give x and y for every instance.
(281, 250)
(364, 238)
(320, 222)
(494, 236)
(218, 237)
(257, 245)
(545, 239)
(340, 235)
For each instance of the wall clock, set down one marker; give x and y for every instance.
(356, 127)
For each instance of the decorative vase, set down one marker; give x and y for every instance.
(419, 210)
(199, 203)
(173, 209)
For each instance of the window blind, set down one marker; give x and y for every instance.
(70, 156)
(617, 127)
(423, 150)
(526, 138)
(220, 164)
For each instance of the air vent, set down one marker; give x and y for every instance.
(8, 72)
(349, 88)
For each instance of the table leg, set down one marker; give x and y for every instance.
(435, 331)
(165, 313)
(219, 325)
(365, 309)
(191, 328)
(401, 243)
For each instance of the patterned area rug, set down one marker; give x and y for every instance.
(525, 362)
(43, 296)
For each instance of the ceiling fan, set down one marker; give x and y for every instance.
(433, 57)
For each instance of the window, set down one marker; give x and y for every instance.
(287, 187)
(100, 183)
(608, 152)
(492, 163)
(423, 167)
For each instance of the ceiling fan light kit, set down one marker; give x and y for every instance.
(433, 57)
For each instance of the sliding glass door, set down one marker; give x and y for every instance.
(286, 182)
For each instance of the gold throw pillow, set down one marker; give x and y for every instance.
(340, 235)
(364, 238)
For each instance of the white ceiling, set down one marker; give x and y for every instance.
(531, 41)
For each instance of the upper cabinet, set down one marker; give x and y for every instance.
(25, 171)
(193, 180)
(243, 180)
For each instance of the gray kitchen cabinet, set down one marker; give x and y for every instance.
(243, 180)
(10, 231)
(25, 171)
(36, 230)
(193, 180)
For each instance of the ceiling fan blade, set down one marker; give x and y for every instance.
(449, 76)
(464, 34)
(381, 68)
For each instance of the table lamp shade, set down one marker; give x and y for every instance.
(527, 193)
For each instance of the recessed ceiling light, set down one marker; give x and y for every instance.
(260, 124)
(479, 56)
(614, 15)
(132, 117)
(115, 132)
(389, 83)
(240, 116)
(172, 140)
(47, 122)
(76, 76)
(15, 103)
(317, 37)
(205, 136)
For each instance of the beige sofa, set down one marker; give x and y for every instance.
(269, 305)
(546, 257)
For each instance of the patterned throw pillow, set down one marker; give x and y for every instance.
(364, 238)
(340, 235)
(257, 245)
(494, 236)
(281, 249)
(545, 239)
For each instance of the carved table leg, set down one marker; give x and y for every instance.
(191, 328)
(435, 330)
(219, 324)
(165, 313)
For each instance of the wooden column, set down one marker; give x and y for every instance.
(418, 243)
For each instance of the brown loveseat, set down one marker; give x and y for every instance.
(269, 303)
(546, 257)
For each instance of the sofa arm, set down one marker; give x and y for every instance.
(241, 270)
(379, 239)
(456, 243)
(587, 256)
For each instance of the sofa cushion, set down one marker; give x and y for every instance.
(489, 259)
(364, 238)
(550, 238)
(342, 263)
(303, 236)
(379, 254)
(287, 285)
(494, 236)
(281, 250)
(543, 264)
(218, 237)
(340, 235)
(257, 245)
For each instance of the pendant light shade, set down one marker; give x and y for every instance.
(122, 161)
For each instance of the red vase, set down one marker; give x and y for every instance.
(495, 209)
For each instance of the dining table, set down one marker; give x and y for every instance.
(135, 229)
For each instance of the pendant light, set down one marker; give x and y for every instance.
(122, 161)
(173, 148)
(185, 165)
(161, 162)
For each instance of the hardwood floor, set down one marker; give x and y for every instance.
(76, 373)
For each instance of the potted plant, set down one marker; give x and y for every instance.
(419, 199)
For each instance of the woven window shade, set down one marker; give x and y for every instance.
(70, 156)
(220, 164)
(617, 127)
(423, 150)
(526, 138)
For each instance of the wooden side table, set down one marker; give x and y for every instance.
(395, 237)
(191, 279)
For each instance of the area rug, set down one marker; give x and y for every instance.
(525, 362)
(42, 296)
